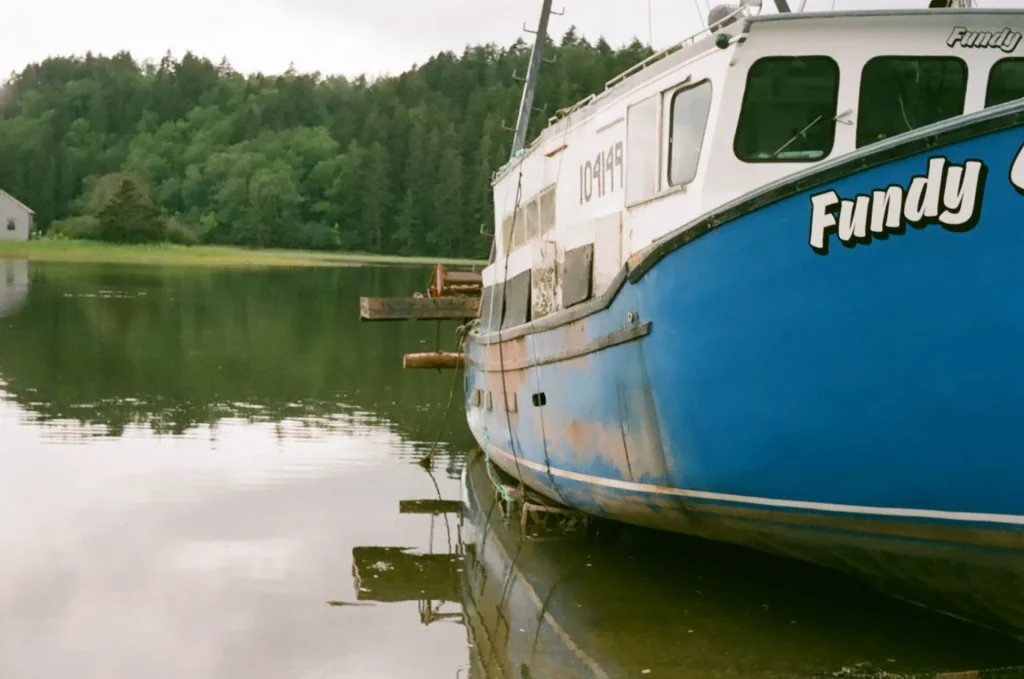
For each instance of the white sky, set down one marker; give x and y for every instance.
(337, 36)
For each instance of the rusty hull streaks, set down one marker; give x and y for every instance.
(592, 443)
(517, 360)
(630, 443)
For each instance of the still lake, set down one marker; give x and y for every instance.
(194, 463)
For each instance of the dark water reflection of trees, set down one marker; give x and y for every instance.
(174, 348)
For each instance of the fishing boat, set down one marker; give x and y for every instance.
(765, 288)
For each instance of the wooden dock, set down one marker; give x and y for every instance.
(418, 308)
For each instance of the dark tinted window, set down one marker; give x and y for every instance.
(899, 94)
(1005, 82)
(789, 110)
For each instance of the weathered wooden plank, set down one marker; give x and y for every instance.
(389, 574)
(440, 360)
(464, 277)
(418, 308)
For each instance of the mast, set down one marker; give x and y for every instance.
(526, 104)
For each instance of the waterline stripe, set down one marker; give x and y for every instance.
(1009, 519)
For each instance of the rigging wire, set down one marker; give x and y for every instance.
(512, 438)
(650, 27)
(429, 457)
(700, 14)
(533, 341)
(506, 586)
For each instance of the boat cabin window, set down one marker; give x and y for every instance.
(514, 236)
(789, 110)
(642, 150)
(1005, 81)
(899, 94)
(532, 219)
(547, 209)
(690, 108)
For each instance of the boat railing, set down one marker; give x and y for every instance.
(686, 42)
(741, 9)
(562, 112)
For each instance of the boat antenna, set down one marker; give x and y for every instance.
(650, 26)
(526, 104)
(782, 6)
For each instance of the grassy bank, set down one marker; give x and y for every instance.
(199, 255)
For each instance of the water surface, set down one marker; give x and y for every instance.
(193, 463)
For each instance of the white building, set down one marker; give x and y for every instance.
(15, 218)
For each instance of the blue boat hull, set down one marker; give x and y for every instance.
(782, 377)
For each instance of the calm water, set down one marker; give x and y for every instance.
(194, 463)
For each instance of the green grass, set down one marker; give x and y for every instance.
(200, 255)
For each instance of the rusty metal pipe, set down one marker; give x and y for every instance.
(439, 360)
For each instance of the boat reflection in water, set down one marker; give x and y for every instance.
(631, 603)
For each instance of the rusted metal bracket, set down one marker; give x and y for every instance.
(430, 506)
(544, 520)
(444, 282)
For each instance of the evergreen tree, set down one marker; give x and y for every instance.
(400, 164)
(129, 217)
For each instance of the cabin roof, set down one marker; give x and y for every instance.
(703, 42)
(657, 64)
(885, 13)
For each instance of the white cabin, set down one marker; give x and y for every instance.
(727, 112)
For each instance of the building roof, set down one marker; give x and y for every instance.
(26, 208)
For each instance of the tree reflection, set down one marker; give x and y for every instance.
(171, 349)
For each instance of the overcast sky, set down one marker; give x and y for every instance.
(336, 36)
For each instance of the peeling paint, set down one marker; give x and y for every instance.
(595, 445)
(544, 279)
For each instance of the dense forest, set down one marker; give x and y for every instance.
(194, 152)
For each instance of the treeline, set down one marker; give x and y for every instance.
(190, 151)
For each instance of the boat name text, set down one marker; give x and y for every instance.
(597, 176)
(949, 195)
(1005, 39)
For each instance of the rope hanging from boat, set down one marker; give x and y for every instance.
(517, 155)
(460, 338)
(512, 439)
(537, 369)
